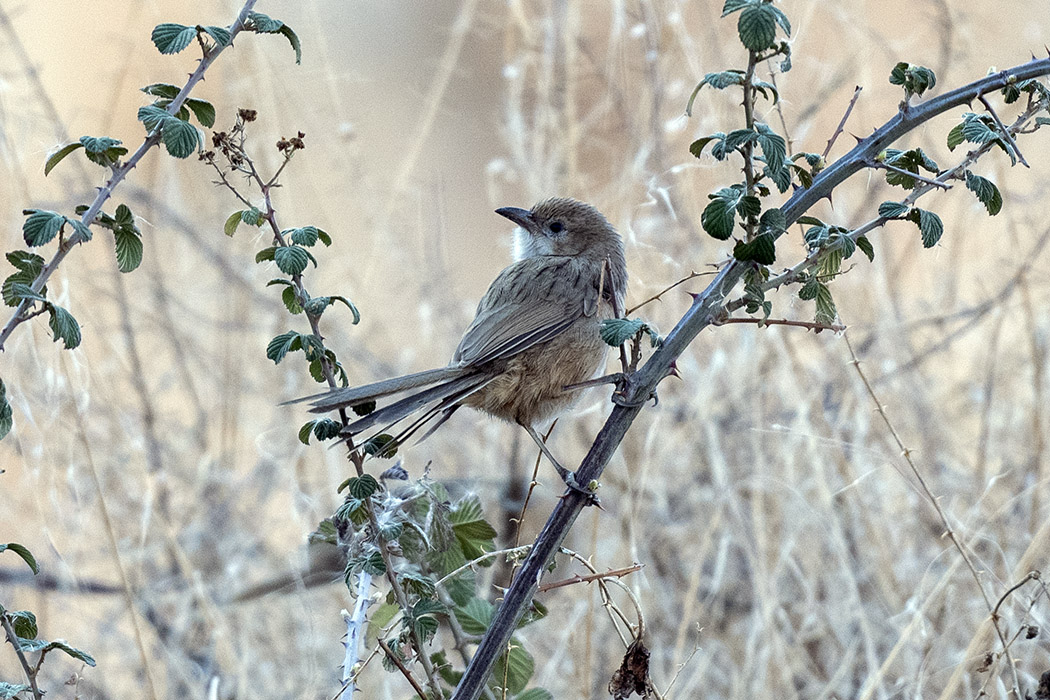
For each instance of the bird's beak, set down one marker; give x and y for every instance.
(522, 217)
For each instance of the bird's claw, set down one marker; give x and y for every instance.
(586, 491)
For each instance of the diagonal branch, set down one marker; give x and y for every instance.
(20, 314)
(642, 384)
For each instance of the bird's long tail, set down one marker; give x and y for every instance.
(441, 391)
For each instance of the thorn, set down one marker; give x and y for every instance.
(694, 295)
(857, 138)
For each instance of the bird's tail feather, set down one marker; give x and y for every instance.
(443, 397)
(356, 395)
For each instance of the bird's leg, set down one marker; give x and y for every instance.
(567, 476)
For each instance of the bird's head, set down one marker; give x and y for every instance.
(562, 226)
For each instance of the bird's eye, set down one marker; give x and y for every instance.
(557, 227)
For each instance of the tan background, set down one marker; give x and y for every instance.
(765, 500)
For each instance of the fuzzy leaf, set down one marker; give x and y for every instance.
(762, 250)
(617, 331)
(203, 110)
(929, 224)
(7, 421)
(986, 192)
(63, 326)
(221, 35)
(893, 210)
(41, 226)
(291, 260)
(129, 249)
(56, 157)
(757, 27)
(865, 245)
(20, 550)
(180, 138)
(282, 344)
(171, 38)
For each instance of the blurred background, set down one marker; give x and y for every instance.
(787, 551)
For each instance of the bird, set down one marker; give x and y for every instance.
(534, 336)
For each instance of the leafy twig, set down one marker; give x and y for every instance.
(119, 173)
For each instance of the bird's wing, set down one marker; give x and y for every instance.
(530, 302)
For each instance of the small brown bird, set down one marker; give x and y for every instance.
(534, 334)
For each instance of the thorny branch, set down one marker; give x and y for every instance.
(700, 315)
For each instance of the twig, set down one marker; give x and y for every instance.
(29, 670)
(762, 322)
(105, 192)
(1030, 576)
(842, 122)
(404, 671)
(1004, 130)
(656, 297)
(613, 573)
(948, 530)
(929, 181)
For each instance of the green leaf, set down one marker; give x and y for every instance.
(738, 137)
(282, 344)
(221, 35)
(293, 39)
(171, 38)
(732, 6)
(762, 250)
(7, 422)
(697, 147)
(292, 259)
(362, 486)
(381, 446)
(757, 27)
(17, 286)
(129, 249)
(75, 653)
(253, 217)
(865, 245)
(516, 665)
(180, 138)
(152, 116)
(915, 79)
(773, 145)
(363, 409)
(617, 331)
(929, 225)
(24, 623)
(809, 290)
(719, 81)
(893, 210)
(305, 430)
(230, 227)
(719, 216)
(349, 304)
(166, 90)
(474, 533)
(10, 690)
(63, 326)
(986, 192)
(102, 150)
(305, 236)
(419, 585)
(265, 254)
(41, 226)
(911, 161)
(826, 312)
(58, 155)
(203, 110)
(20, 550)
(291, 300)
(955, 136)
(263, 24)
(475, 616)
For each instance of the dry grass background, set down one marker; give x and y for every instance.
(763, 495)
